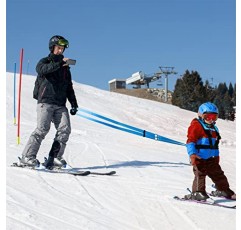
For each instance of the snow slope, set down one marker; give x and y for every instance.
(149, 173)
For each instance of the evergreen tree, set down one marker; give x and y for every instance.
(224, 102)
(222, 89)
(227, 105)
(234, 95)
(189, 91)
(210, 91)
(230, 90)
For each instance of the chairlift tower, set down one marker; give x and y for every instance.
(167, 71)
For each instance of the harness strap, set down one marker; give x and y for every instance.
(209, 134)
(206, 147)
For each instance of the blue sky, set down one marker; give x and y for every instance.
(115, 38)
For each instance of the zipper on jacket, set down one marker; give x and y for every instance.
(43, 92)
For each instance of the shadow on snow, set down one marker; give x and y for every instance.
(139, 164)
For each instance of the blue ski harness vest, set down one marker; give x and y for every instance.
(208, 130)
(206, 146)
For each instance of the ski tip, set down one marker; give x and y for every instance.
(178, 198)
(103, 173)
(79, 173)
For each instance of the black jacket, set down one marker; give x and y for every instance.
(54, 84)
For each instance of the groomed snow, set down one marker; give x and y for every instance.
(149, 173)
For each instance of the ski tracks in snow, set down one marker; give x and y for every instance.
(134, 197)
(175, 217)
(40, 205)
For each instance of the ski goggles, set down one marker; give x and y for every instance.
(63, 42)
(210, 116)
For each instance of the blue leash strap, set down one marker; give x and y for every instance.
(111, 120)
(162, 138)
(110, 125)
(124, 127)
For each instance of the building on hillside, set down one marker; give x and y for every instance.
(117, 84)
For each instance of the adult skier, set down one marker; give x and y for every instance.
(53, 87)
(202, 147)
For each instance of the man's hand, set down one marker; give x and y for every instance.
(65, 60)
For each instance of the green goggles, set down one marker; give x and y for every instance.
(63, 42)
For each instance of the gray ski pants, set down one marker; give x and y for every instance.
(47, 113)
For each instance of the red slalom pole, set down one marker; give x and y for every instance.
(19, 95)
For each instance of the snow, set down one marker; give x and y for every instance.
(149, 173)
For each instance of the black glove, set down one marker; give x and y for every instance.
(73, 110)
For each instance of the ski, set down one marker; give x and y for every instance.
(67, 170)
(41, 168)
(207, 202)
(110, 173)
(78, 173)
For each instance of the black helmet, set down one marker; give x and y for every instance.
(57, 40)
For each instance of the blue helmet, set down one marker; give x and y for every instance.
(207, 107)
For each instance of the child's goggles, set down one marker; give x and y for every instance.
(210, 116)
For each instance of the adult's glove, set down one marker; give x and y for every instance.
(194, 159)
(73, 110)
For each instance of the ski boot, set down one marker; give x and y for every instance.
(55, 163)
(197, 196)
(49, 163)
(228, 194)
(60, 162)
(29, 162)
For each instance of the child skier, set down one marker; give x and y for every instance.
(202, 147)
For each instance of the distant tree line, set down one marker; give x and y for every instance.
(190, 92)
